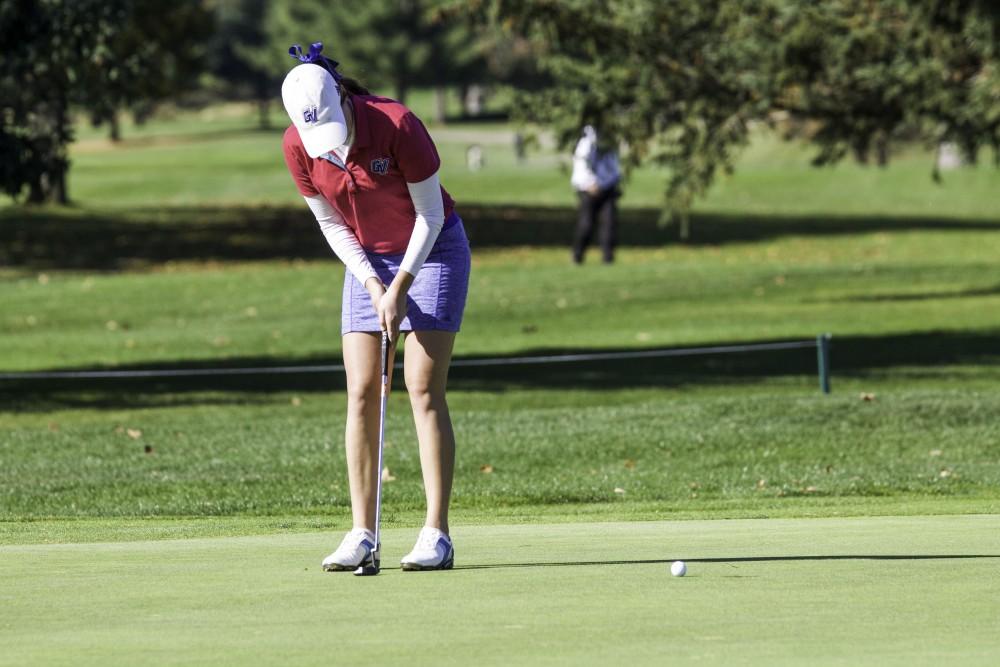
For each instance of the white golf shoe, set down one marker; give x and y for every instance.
(352, 552)
(433, 551)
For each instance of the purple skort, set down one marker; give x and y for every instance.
(436, 300)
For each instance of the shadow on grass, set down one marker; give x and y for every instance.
(728, 560)
(45, 238)
(925, 296)
(852, 356)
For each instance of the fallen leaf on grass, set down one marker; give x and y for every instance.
(619, 490)
(486, 469)
(133, 433)
(629, 464)
(935, 452)
(387, 476)
(867, 397)
(296, 401)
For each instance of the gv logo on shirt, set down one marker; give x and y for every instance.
(310, 114)
(380, 166)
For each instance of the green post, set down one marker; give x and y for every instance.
(823, 361)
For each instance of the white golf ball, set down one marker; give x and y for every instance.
(678, 568)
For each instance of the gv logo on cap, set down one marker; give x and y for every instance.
(310, 114)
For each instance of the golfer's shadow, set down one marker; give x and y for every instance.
(730, 559)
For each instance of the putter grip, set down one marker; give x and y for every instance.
(385, 354)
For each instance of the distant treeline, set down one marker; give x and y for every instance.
(673, 82)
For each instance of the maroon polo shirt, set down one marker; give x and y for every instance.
(391, 148)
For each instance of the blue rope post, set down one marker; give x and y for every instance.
(823, 361)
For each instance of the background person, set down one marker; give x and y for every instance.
(596, 177)
(368, 170)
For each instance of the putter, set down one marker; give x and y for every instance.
(371, 567)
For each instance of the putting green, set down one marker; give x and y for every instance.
(889, 590)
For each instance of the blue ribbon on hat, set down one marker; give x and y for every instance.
(315, 57)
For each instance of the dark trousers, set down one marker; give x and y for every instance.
(602, 206)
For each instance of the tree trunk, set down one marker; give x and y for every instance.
(49, 186)
(58, 192)
(264, 113)
(114, 127)
(463, 92)
(401, 89)
(36, 191)
(882, 149)
(441, 106)
(685, 226)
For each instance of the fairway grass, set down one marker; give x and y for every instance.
(887, 591)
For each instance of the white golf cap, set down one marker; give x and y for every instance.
(313, 103)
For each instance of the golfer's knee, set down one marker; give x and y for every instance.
(425, 396)
(362, 393)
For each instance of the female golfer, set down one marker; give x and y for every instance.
(368, 170)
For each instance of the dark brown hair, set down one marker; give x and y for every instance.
(352, 87)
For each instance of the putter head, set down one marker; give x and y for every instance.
(370, 567)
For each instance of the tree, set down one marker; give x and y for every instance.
(49, 48)
(676, 82)
(869, 73)
(99, 55)
(680, 82)
(238, 44)
(158, 52)
(394, 44)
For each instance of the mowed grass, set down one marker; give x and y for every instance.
(888, 591)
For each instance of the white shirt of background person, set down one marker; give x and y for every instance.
(593, 171)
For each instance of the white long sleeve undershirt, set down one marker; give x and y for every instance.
(429, 207)
(341, 238)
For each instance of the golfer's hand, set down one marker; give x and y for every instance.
(375, 290)
(391, 310)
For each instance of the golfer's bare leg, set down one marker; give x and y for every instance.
(363, 364)
(428, 356)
